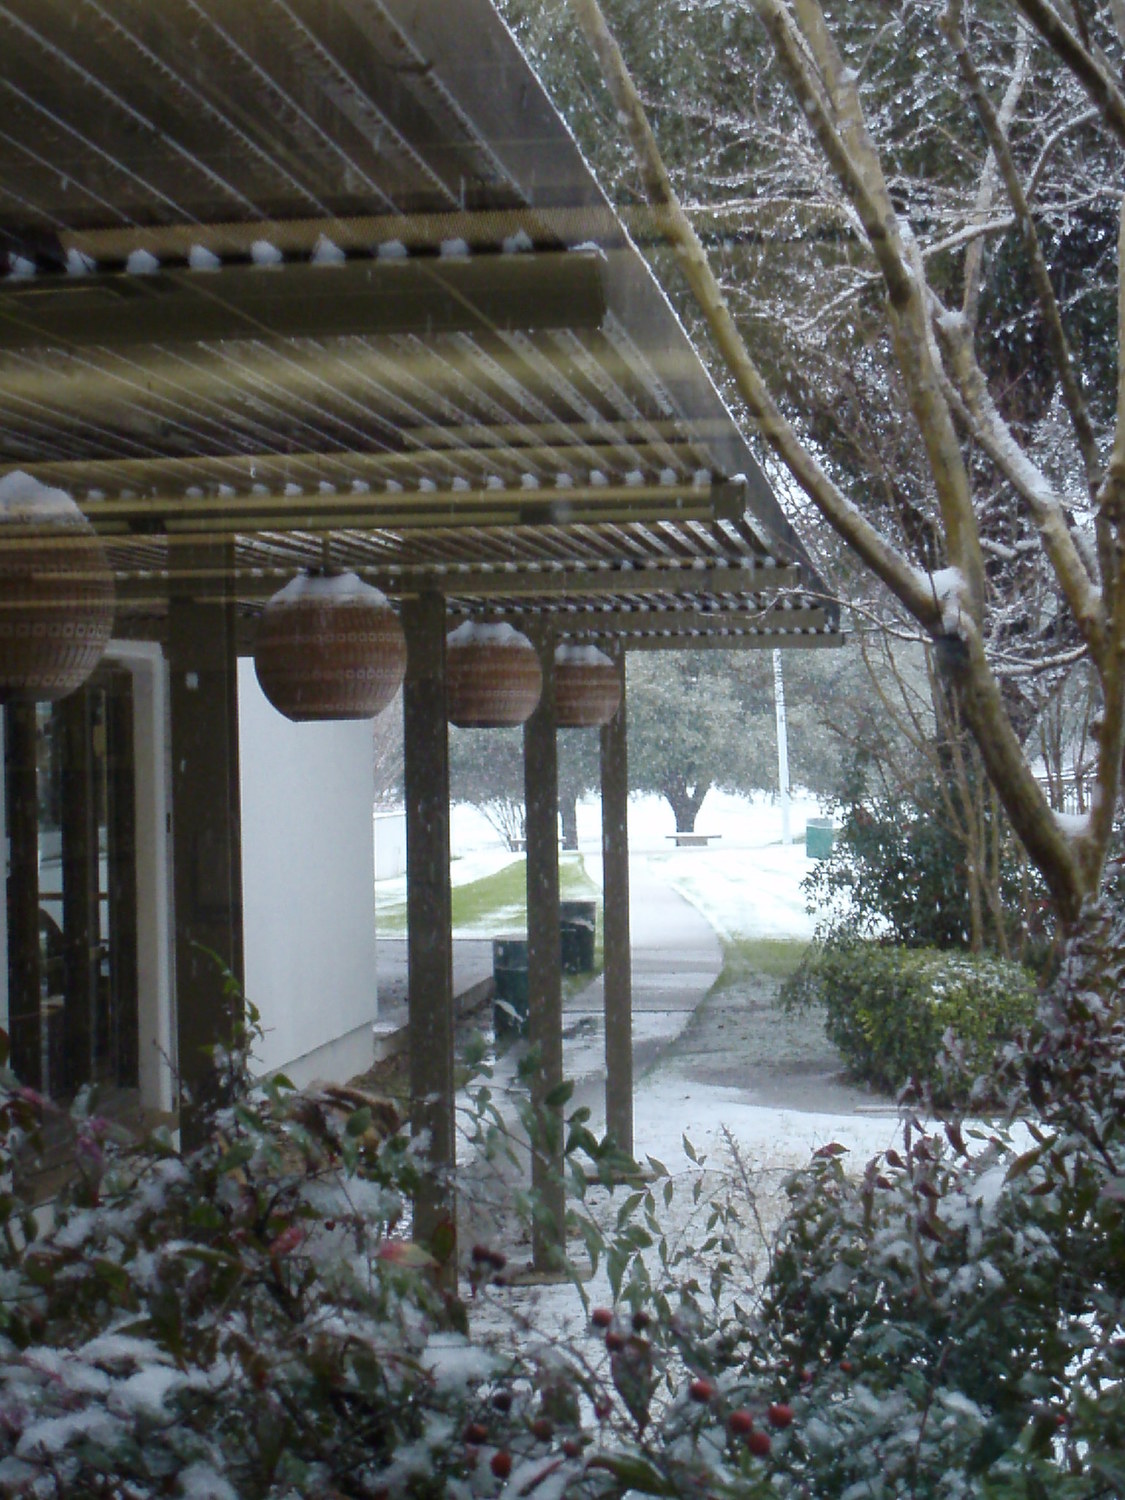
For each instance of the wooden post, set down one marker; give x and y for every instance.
(544, 962)
(207, 851)
(429, 924)
(20, 752)
(618, 969)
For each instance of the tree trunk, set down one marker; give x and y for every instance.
(685, 804)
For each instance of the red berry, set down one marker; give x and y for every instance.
(701, 1390)
(476, 1432)
(847, 1366)
(641, 1320)
(572, 1447)
(759, 1444)
(740, 1422)
(481, 1254)
(780, 1414)
(602, 1408)
(501, 1463)
(614, 1340)
(497, 1260)
(601, 1317)
(543, 1429)
(502, 1400)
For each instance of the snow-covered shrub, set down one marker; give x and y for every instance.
(948, 1324)
(888, 1009)
(905, 868)
(246, 1319)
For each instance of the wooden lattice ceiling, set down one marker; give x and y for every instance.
(281, 277)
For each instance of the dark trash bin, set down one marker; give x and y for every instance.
(578, 922)
(509, 978)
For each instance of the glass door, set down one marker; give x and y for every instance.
(72, 937)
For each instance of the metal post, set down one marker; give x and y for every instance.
(544, 963)
(782, 745)
(429, 925)
(618, 969)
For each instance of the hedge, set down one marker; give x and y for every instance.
(888, 1010)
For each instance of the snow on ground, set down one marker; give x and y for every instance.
(747, 884)
(744, 892)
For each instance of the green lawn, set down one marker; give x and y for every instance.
(775, 957)
(496, 903)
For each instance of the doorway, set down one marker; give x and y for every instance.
(72, 889)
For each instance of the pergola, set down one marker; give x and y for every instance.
(286, 278)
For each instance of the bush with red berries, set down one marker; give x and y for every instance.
(247, 1319)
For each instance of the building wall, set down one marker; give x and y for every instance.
(308, 887)
(390, 845)
(156, 1038)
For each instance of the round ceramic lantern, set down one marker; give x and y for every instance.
(329, 646)
(492, 674)
(56, 592)
(587, 687)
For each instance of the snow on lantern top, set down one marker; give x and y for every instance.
(58, 592)
(329, 646)
(587, 687)
(493, 678)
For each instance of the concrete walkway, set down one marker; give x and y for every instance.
(677, 957)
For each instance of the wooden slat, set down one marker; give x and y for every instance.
(301, 300)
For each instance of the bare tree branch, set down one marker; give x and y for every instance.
(908, 586)
(995, 129)
(1086, 68)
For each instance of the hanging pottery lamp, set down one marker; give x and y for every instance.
(56, 592)
(329, 646)
(492, 676)
(587, 687)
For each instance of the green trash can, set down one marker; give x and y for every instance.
(819, 838)
(509, 979)
(578, 925)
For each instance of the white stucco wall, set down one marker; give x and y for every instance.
(390, 845)
(308, 874)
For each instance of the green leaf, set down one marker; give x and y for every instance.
(359, 1123)
(238, 1155)
(1023, 1164)
(689, 1151)
(633, 1473)
(559, 1094)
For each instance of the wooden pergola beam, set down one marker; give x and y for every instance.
(522, 505)
(689, 619)
(158, 478)
(360, 233)
(500, 584)
(730, 639)
(119, 309)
